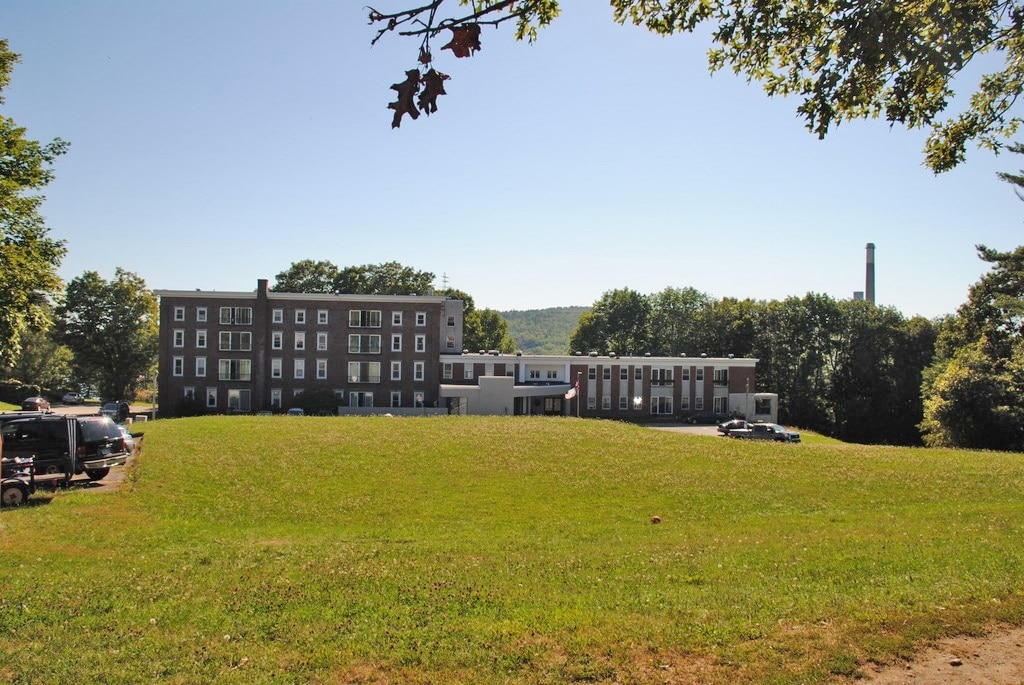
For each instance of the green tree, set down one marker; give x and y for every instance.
(111, 327)
(29, 258)
(486, 329)
(43, 362)
(674, 320)
(618, 323)
(308, 276)
(389, 278)
(841, 59)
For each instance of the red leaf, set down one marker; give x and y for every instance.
(405, 104)
(433, 85)
(465, 40)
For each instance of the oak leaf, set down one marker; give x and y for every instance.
(405, 104)
(433, 85)
(465, 40)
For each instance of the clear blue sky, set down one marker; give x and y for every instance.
(215, 142)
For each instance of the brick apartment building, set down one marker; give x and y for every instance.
(253, 351)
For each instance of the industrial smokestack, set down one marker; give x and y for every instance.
(869, 276)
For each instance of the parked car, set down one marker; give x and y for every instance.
(731, 425)
(296, 411)
(118, 411)
(129, 439)
(71, 398)
(99, 443)
(708, 417)
(765, 431)
(35, 404)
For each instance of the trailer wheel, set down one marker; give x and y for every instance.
(97, 474)
(13, 494)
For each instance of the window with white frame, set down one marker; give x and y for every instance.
(467, 372)
(321, 369)
(396, 399)
(698, 403)
(178, 366)
(623, 373)
(201, 338)
(321, 341)
(661, 405)
(592, 373)
(179, 313)
(363, 344)
(451, 321)
(275, 397)
(363, 372)
(300, 340)
(277, 340)
(277, 316)
(446, 371)
(623, 403)
(201, 314)
(396, 342)
(417, 371)
(606, 402)
(235, 341)
(236, 316)
(239, 399)
(606, 373)
(190, 392)
(300, 316)
(684, 402)
(421, 343)
(275, 367)
(535, 374)
(449, 342)
(552, 375)
(179, 337)
(321, 317)
(699, 375)
(201, 367)
(396, 318)
(686, 374)
(360, 398)
(417, 399)
(234, 369)
(364, 318)
(396, 371)
(421, 318)
(638, 373)
(299, 368)
(720, 405)
(591, 402)
(211, 397)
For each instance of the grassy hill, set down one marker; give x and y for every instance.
(543, 331)
(504, 550)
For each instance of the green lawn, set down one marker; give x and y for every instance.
(504, 550)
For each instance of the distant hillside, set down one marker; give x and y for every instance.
(543, 331)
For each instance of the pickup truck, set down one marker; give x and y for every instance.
(764, 431)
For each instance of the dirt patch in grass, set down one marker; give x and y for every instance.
(994, 659)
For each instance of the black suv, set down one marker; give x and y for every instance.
(98, 442)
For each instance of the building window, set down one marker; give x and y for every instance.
(275, 367)
(201, 314)
(607, 375)
(417, 399)
(300, 316)
(179, 337)
(299, 368)
(591, 402)
(296, 393)
(201, 367)
(211, 397)
(623, 374)
(661, 376)
(396, 318)
(396, 342)
(235, 341)
(606, 402)
(277, 340)
(720, 377)
(178, 366)
(321, 341)
(234, 369)
(449, 342)
(661, 405)
(698, 403)
(364, 318)
(190, 392)
(638, 373)
(236, 316)
(201, 339)
(535, 374)
(275, 397)
(721, 405)
(451, 321)
(363, 344)
(396, 371)
(396, 399)
(686, 374)
(363, 372)
(684, 402)
(421, 318)
(700, 375)
(467, 372)
(623, 402)
(321, 317)
(239, 399)
(277, 316)
(179, 313)
(421, 343)
(446, 372)
(321, 369)
(417, 371)
(360, 399)
(300, 340)
(592, 374)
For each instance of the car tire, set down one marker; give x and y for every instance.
(13, 495)
(97, 474)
